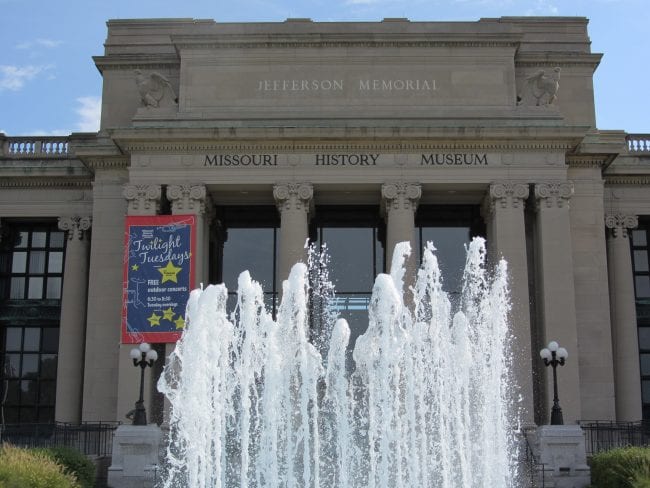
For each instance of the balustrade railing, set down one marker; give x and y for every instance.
(36, 147)
(638, 143)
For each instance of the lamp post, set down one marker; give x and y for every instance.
(554, 355)
(142, 356)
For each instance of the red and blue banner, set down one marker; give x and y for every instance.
(158, 276)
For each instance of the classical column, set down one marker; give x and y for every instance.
(503, 210)
(623, 311)
(293, 201)
(141, 200)
(193, 199)
(399, 202)
(72, 335)
(556, 291)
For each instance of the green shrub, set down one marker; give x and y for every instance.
(621, 468)
(75, 463)
(23, 468)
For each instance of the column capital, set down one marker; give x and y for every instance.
(75, 227)
(143, 199)
(553, 194)
(400, 195)
(293, 196)
(619, 223)
(189, 199)
(506, 194)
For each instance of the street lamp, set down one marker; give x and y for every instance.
(554, 355)
(142, 356)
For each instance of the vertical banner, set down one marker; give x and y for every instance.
(158, 275)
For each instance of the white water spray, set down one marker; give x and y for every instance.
(254, 403)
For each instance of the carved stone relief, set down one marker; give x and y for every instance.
(540, 89)
(155, 90)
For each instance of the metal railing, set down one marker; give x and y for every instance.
(36, 147)
(533, 472)
(90, 438)
(638, 143)
(605, 435)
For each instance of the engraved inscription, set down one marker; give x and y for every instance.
(454, 159)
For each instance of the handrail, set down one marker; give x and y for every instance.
(36, 146)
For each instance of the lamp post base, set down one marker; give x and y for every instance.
(556, 415)
(140, 415)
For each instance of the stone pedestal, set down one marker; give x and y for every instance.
(135, 455)
(561, 451)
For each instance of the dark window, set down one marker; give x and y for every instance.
(33, 265)
(450, 229)
(353, 237)
(31, 276)
(247, 240)
(640, 254)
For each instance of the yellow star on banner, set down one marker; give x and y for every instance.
(135, 267)
(168, 314)
(154, 319)
(180, 322)
(169, 272)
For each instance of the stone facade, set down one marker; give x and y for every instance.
(496, 114)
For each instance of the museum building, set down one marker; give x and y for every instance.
(260, 137)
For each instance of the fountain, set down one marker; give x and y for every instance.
(255, 403)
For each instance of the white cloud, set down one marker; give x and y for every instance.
(47, 43)
(89, 113)
(14, 77)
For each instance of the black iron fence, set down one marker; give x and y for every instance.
(603, 435)
(90, 438)
(532, 472)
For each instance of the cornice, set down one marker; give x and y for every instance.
(627, 180)
(363, 40)
(575, 161)
(121, 162)
(284, 147)
(136, 61)
(41, 182)
(561, 59)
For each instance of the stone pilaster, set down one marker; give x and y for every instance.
(102, 355)
(193, 199)
(142, 199)
(294, 201)
(399, 203)
(623, 312)
(503, 209)
(69, 381)
(555, 289)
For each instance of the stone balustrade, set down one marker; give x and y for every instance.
(35, 147)
(638, 143)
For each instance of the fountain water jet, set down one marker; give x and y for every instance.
(254, 403)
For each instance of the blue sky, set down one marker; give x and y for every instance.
(49, 84)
